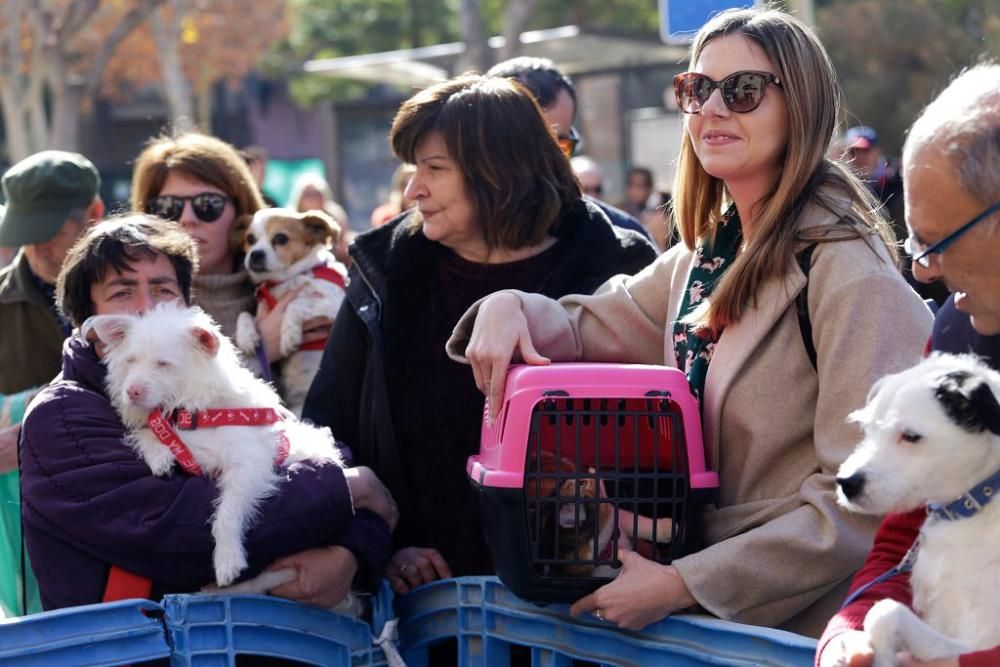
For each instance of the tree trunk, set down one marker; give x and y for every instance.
(166, 28)
(18, 137)
(515, 20)
(477, 51)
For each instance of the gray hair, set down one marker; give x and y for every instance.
(964, 122)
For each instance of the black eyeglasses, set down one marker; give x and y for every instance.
(569, 143)
(207, 206)
(922, 254)
(742, 92)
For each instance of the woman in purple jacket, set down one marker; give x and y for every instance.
(91, 506)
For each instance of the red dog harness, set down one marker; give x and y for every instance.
(186, 420)
(320, 271)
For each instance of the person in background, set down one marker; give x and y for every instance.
(397, 202)
(556, 95)
(753, 197)
(638, 191)
(590, 175)
(311, 192)
(95, 514)
(204, 184)
(951, 164)
(488, 215)
(256, 158)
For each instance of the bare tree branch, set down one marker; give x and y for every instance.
(91, 82)
(76, 15)
(514, 22)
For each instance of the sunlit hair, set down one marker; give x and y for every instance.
(964, 122)
(812, 98)
(515, 173)
(200, 157)
(117, 244)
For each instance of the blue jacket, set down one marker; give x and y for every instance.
(89, 502)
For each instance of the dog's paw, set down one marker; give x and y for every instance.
(228, 562)
(160, 461)
(247, 337)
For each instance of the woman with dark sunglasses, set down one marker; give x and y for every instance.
(779, 355)
(204, 184)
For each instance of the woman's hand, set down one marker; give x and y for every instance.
(415, 566)
(643, 593)
(269, 323)
(322, 576)
(500, 330)
(368, 492)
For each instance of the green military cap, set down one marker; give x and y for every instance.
(41, 190)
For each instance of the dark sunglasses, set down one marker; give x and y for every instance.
(569, 143)
(742, 92)
(207, 206)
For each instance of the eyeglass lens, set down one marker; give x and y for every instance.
(742, 92)
(207, 206)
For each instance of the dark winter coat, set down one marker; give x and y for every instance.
(390, 276)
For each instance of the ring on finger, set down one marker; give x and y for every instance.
(598, 615)
(406, 567)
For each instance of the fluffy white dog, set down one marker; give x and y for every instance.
(173, 377)
(932, 437)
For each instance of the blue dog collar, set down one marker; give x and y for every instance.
(968, 504)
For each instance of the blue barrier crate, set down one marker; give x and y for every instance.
(486, 619)
(210, 630)
(116, 633)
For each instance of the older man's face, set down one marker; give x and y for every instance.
(936, 205)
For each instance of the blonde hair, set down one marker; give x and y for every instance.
(807, 177)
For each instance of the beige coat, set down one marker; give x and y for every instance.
(781, 550)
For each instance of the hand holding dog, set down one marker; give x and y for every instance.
(368, 492)
(415, 566)
(322, 576)
(269, 324)
(643, 593)
(500, 331)
(853, 649)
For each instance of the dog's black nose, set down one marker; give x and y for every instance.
(851, 486)
(258, 260)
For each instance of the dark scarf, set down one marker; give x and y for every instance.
(693, 348)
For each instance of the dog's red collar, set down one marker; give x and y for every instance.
(162, 428)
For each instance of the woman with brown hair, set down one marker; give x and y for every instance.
(204, 184)
(783, 304)
(496, 207)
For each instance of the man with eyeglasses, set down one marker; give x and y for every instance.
(555, 94)
(951, 169)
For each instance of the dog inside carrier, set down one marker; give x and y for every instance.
(586, 459)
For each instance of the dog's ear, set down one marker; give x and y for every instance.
(108, 329)
(206, 340)
(321, 227)
(968, 401)
(238, 232)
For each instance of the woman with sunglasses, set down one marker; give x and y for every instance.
(496, 206)
(777, 373)
(203, 183)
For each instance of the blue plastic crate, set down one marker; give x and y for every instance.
(210, 630)
(486, 619)
(116, 633)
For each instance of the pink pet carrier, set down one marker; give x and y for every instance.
(581, 459)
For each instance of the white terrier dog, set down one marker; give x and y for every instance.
(932, 437)
(172, 368)
(285, 251)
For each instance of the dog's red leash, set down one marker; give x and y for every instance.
(186, 420)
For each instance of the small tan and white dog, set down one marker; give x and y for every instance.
(286, 250)
(174, 377)
(932, 438)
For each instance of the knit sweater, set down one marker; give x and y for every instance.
(224, 296)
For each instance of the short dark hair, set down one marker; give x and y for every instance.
(539, 75)
(486, 123)
(640, 171)
(115, 244)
